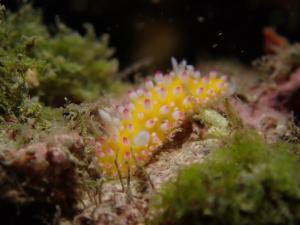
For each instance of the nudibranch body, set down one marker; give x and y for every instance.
(137, 129)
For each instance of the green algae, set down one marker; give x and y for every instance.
(246, 182)
(50, 67)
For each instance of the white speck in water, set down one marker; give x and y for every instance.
(214, 45)
(200, 19)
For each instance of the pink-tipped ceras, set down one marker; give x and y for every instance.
(137, 129)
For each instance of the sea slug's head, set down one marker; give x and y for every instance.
(152, 113)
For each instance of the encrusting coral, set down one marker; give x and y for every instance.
(152, 115)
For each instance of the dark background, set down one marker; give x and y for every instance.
(160, 29)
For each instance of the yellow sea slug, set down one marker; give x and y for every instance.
(140, 126)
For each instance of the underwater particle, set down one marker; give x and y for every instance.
(152, 114)
(200, 19)
(214, 45)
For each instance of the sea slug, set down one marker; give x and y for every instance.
(136, 129)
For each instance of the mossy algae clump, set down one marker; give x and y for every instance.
(50, 66)
(44, 149)
(246, 182)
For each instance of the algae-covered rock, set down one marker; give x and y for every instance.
(246, 182)
(46, 166)
(45, 151)
(52, 66)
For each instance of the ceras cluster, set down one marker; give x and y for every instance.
(138, 128)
